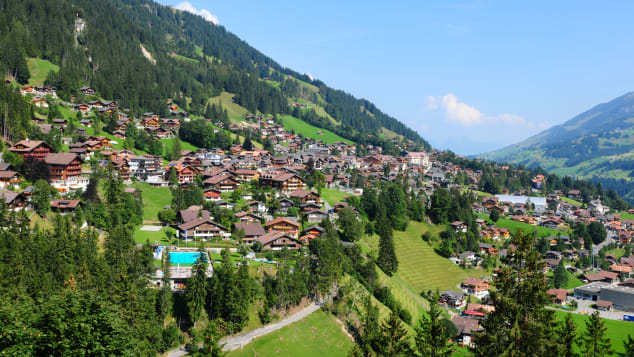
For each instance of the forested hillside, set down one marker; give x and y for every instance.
(597, 145)
(141, 54)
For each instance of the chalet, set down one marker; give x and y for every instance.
(225, 204)
(459, 226)
(185, 173)
(95, 104)
(211, 194)
(31, 149)
(87, 90)
(252, 231)
(39, 102)
(151, 122)
(283, 224)
(558, 296)
(305, 196)
(65, 206)
(82, 107)
(285, 182)
(245, 175)
(223, 183)
(488, 249)
(9, 180)
(285, 204)
(603, 275)
(274, 240)
(246, 217)
(574, 194)
(122, 167)
(316, 216)
(256, 206)
(314, 230)
(15, 201)
(476, 287)
(65, 171)
(202, 229)
(172, 124)
(308, 207)
(466, 328)
(453, 299)
(191, 213)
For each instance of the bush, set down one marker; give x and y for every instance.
(265, 314)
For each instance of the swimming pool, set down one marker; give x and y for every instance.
(185, 257)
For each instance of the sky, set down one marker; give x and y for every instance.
(470, 76)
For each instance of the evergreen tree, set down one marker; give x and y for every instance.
(196, 293)
(560, 276)
(41, 197)
(247, 145)
(165, 298)
(387, 260)
(369, 338)
(431, 337)
(566, 337)
(494, 215)
(629, 346)
(394, 340)
(594, 341)
(520, 324)
(350, 228)
(211, 342)
(175, 151)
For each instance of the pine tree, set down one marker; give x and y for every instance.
(173, 177)
(629, 346)
(560, 276)
(520, 324)
(387, 260)
(165, 298)
(594, 341)
(394, 340)
(175, 150)
(247, 145)
(566, 337)
(196, 293)
(369, 338)
(211, 342)
(431, 337)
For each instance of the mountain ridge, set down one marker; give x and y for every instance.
(597, 144)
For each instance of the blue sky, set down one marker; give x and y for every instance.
(471, 76)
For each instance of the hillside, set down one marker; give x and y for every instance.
(141, 54)
(597, 145)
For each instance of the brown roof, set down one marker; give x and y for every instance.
(60, 203)
(191, 213)
(283, 177)
(250, 229)
(7, 174)
(28, 145)
(473, 281)
(282, 219)
(466, 325)
(301, 193)
(604, 304)
(197, 222)
(62, 158)
(273, 235)
(9, 196)
(560, 294)
(603, 274)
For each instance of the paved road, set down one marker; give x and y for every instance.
(608, 240)
(239, 341)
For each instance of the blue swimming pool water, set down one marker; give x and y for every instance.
(184, 257)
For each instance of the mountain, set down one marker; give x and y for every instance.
(141, 54)
(597, 145)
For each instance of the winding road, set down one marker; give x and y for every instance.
(239, 341)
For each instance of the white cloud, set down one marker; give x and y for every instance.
(460, 112)
(206, 14)
(468, 115)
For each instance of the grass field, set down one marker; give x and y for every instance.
(39, 69)
(617, 330)
(515, 226)
(420, 266)
(154, 199)
(235, 111)
(333, 196)
(167, 143)
(625, 215)
(571, 201)
(316, 335)
(309, 131)
(154, 237)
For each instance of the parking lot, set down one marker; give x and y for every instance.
(585, 309)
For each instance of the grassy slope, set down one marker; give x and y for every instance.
(617, 330)
(419, 265)
(39, 69)
(333, 196)
(515, 226)
(307, 130)
(167, 143)
(154, 199)
(235, 111)
(315, 335)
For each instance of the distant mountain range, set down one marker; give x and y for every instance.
(597, 145)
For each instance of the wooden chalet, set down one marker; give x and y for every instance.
(31, 149)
